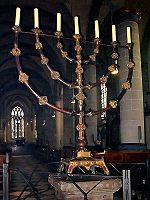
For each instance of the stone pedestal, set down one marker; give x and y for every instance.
(66, 190)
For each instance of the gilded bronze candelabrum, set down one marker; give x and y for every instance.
(83, 157)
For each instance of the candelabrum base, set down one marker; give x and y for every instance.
(83, 154)
(84, 162)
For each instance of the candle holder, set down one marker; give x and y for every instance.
(82, 158)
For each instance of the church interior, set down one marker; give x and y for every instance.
(75, 95)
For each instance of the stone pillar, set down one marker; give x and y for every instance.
(131, 106)
(147, 127)
(51, 127)
(91, 103)
(59, 125)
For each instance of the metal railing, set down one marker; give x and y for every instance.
(29, 183)
(125, 175)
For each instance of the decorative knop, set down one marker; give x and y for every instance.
(58, 34)
(55, 75)
(111, 68)
(131, 65)
(126, 85)
(23, 78)
(44, 60)
(59, 45)
(80, 96)
(93, 57)
(80, 127)
(64, 54)
(114, 56)
(79, 70)
(38, 45)
(15, 51)
(113, 103)
(43, 100)
(37, 31)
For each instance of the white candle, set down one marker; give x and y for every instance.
(58, 21)
(96, 29)
(17, 19)
(128, 34)
(76, 24)
(36, 18)
(113, 33)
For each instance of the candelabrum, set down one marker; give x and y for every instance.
(83, 157)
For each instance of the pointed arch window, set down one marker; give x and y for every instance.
(17, 122)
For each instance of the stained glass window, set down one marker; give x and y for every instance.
(17, 122)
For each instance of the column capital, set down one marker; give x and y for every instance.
(123, 15)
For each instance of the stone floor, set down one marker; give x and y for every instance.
(26, 168)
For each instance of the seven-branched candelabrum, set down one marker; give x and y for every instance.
(79, 86)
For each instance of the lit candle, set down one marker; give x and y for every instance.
(36, 18)
(58, 21)
(76, 24)
(113, 33)
(128, 34)
(17, 19)
(96, 29)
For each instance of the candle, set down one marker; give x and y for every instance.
(113, 33)
(76, 24)
(128, 34)
(96, 29)
(17, 19)
(36, 18)
(58, 21)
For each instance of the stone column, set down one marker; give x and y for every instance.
(131, 106)
(91, 103)
(59, 125)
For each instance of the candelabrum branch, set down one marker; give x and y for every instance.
(70, 39)
(44, 101)
(55, 75)
(93, 113)
(23, 78)
(131, 63)
(79, 70)
(92, 57)
(64, 53)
